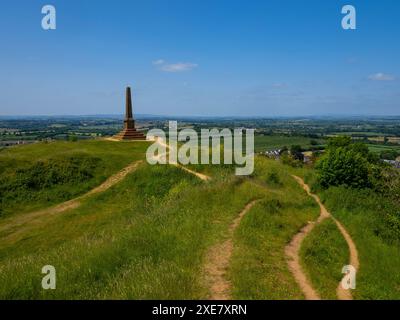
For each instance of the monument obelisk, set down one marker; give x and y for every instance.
(129, 132)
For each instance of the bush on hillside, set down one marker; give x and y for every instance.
(346, 164)
(342, 166)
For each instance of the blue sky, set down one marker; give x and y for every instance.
(200, 57)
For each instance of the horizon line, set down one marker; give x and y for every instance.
(144, 115)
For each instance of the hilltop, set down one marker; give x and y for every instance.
(160, 232)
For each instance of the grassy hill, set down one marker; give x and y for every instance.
(42, 174)
(148, 236)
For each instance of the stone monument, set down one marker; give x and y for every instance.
(129, 132)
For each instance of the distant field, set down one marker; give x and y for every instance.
(359, 133)
(371, 136)
(394, 139)
(378, 147)
(265, 143)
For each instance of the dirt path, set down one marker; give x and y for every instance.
(17, 224)
(342, 293)
(217, 261)
(293, 248)
(197, 174)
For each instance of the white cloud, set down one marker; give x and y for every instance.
(381, 77)
(158, 62)
(178, 67)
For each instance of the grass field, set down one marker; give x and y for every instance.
(372, 222)
(147, 237)
(379, 148)
(259, 269)
(144, 238)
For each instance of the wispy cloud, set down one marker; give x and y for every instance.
(178, 67)
(381, 77)
(174, 67)
(158, 62)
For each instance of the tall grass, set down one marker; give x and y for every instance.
(39, 175)
(259, 268)
(370, 219)
(144, 238)
(324, 253)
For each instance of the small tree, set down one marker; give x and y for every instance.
(342, 166)
(344, 163)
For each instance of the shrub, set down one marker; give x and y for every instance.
(343, 166)
(273, 178)
(348, 164)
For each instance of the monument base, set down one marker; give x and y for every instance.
(130, 134)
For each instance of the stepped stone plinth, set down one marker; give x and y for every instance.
(129, 132)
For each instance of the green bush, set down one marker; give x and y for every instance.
(342, 166)
(346, 164)
(45, 180)
(273, 178)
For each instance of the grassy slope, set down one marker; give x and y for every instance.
(112, 158)
(361, 213)
(146, 237)
(379, 251)
(143, 238)
(259, 268)
(324, 253)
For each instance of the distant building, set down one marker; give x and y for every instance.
(273, 154)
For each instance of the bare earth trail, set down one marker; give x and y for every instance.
(163, 156)
(292, 251)
(342, 293)
(217, 261)
(18, 223)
